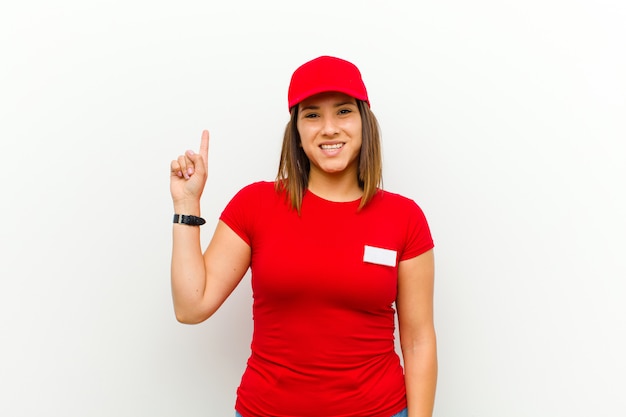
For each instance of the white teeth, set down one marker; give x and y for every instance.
(335, 146)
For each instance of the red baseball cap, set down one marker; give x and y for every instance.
(326, 73)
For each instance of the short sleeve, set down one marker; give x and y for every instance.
(418, 236)
(239, 213)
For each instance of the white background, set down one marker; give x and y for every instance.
(505, 121)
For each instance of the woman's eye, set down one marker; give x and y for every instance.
(345, 111)
(310, 115)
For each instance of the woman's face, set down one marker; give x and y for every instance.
(329, 125)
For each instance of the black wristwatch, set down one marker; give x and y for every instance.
(188, 220)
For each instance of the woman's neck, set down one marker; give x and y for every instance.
(340, 187)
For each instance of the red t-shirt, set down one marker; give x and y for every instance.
(323, 342)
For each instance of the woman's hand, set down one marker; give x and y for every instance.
(201, 283)
(188, 175)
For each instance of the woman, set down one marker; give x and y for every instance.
(330, 254)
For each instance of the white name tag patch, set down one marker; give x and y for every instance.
(379, 256)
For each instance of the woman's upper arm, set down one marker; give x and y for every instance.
(417, 332)
(226, 260)
(414, 301)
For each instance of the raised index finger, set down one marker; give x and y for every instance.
(204, 145)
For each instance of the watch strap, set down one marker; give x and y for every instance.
(188, 220)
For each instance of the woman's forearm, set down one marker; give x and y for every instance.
(188, 272)
(420, 368)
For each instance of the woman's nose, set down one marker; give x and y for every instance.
(330, 127)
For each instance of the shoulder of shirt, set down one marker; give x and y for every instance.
(393, 198)
(397, 203)
(259, 187)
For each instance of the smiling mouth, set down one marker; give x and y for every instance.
(333, 146)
